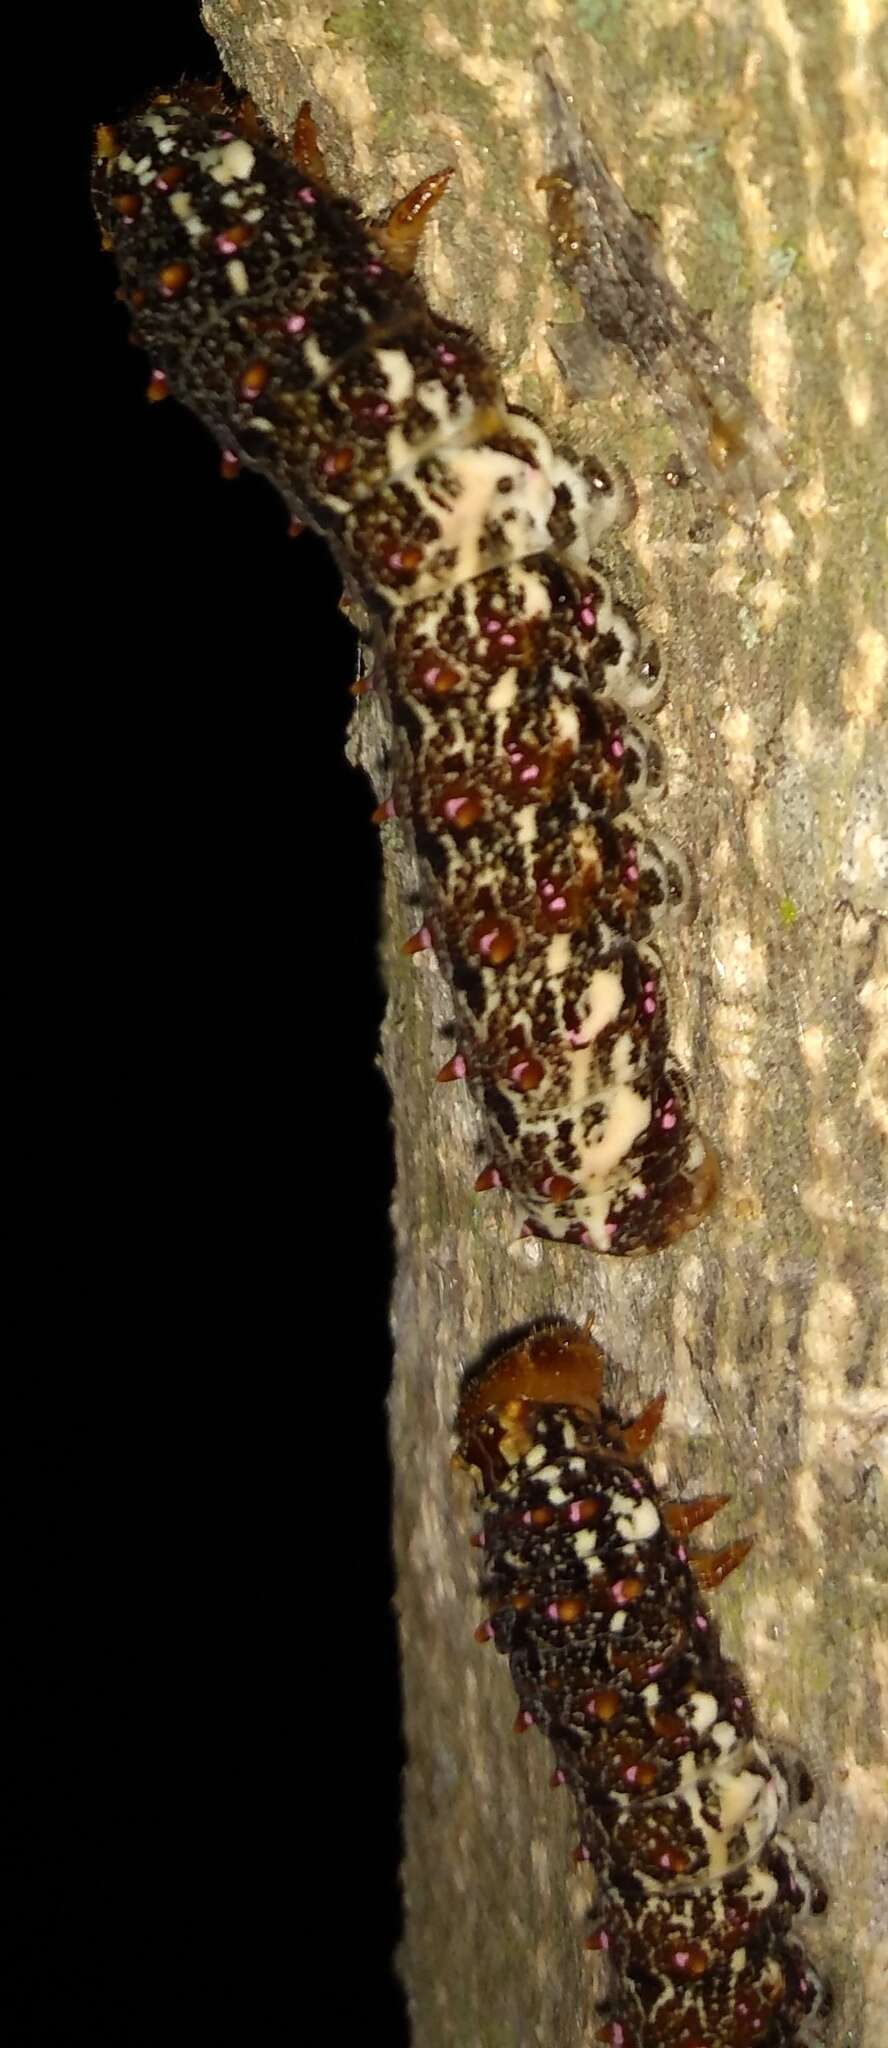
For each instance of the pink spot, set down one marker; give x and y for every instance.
(308, 197)
(637, 1486)
(431, 676)
(396, 559)
(491, 626)
(574, 1512)
(604, 1940)
(617, 748)
(668, 1120)
(665, 1862)
(452, 808)
(446, 355)
(382, 410)
(631, 871)
(558, 1778)
(618, 1592)
(586, 1241)
(225, 245)
(611, 1229)
(681, 1958)
(552, 902)
(588, 616)
(373, 269)
(224, 134)
(682, 1553)
(486, 1630)
(458, 1068)
(295, 323)
(578, 1037)
(631, 1775)
(654, 1670)
(508, 640)
(582, 1854)
(649, 1005)
(527, 1718)
(641, 1194)
(700, 1621)
(529, 774)
(552, 1610)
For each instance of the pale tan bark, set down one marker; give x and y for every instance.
(754, 134)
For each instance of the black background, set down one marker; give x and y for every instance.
(198, 1583)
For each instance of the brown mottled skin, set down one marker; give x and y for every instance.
(298, 335)
(596, 1603)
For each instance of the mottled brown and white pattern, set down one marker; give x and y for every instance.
(515, 678)
(596, 1601)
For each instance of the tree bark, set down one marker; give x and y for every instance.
(754, 137)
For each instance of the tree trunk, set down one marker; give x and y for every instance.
(751, 135)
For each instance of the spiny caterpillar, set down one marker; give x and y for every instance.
(297, 333)
(596, 1600)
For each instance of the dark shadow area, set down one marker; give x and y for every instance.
(207, 1671)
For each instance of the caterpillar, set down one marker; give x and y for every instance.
(597, 1602)
(298, 334)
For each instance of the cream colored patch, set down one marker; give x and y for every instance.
(808, 1504)
(317, 362)
(566, 720)
(438, 36)
(503, 693)
(858, 399)
(558, 955)
(704, 1712)
(600, 1003)
(863, 676)
(739, 735)
(801, 731)
(778, 535)
(813, 1045)
(628, 1114)
(641, 1523)
(772, 360)
(397, 370)
(235, 160)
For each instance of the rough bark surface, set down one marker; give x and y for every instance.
(754, 135)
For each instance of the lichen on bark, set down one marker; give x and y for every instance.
(754, 137)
